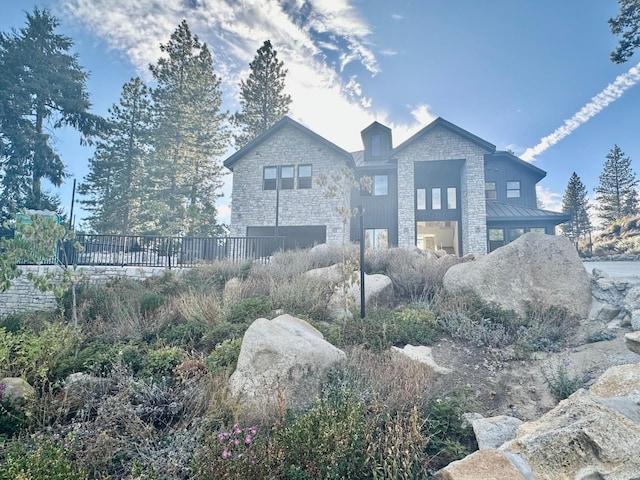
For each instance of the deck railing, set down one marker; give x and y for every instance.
(168, 252)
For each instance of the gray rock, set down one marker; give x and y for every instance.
(540, 269)
(422, 355)
(492, 432)
(632, 341)
(16, 388)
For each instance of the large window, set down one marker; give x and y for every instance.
(304, 176)
(380, 185)
(436, 199)
(490, 191)
(376, 238)
(513, 189)
(452, 201)
(421, 199)
(496, 234)
(269, 178)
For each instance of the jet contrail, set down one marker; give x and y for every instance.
(612, 92)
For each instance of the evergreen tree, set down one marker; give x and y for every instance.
(575, 203)
(115, 183)
(191, 135)
(42, 88)
(616, 193)
(262, 96)
(627, 24)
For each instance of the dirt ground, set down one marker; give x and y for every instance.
(517, 387)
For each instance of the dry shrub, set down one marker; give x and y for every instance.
(326, 255)
(197, 306)
(397, 382)
(129, 426)
(302, 296)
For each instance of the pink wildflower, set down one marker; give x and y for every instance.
(253, 431)
(248, 439)
(237, 429)
(226, 453)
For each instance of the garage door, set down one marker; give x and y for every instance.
(295, 237)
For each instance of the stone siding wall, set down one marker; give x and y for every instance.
(442, 144)
(253, 206)
(23, 296)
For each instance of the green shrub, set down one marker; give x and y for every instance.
(13, 417)
(224, 355)
(599, 336)
(249, 309)
(37, 356)
(561, 382)
(160, 362)
(450, 435)
(381, 329)
(186, 333)
(487, 324)
(328, 441)
(40, 458)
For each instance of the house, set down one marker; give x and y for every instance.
(443, 188)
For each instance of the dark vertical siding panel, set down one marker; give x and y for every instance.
(501, 171)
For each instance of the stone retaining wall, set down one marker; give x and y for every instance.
(23, 296)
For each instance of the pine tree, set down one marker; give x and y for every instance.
(262, 96)
(575, 203)
(627, 24)
(616, 193)
(190, 137)
(42, 88)
(115, 183)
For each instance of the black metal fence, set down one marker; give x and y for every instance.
(152, 251)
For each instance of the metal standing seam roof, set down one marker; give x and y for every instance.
(504, 211)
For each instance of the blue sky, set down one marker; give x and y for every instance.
(533, 77)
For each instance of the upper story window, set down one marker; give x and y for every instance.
(380, 185)
(421, 199)
(375, 145)
(269, 178)
(490, 192)
(287, 174)
(513, 189)
(452, 200)
(304, 176)
(283, 175)
(436, 199)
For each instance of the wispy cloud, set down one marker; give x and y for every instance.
(549, 199)
(611, 93)
(304, 32)
(397, 17)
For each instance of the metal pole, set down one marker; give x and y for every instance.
(362, 295)
(277, 200)
(73, 197)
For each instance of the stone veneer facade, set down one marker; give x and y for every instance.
(442, 144)
(304, 207)
(23, 296)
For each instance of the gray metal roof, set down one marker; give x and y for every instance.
(504, 211)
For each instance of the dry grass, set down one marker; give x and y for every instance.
(399, 383)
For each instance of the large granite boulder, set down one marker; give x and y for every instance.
(282, 362)
(378, 292)
(541, 269)
(582, 434)
(616, 300)
(487, 464)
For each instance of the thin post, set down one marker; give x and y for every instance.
(362, 295)
(73, 198)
